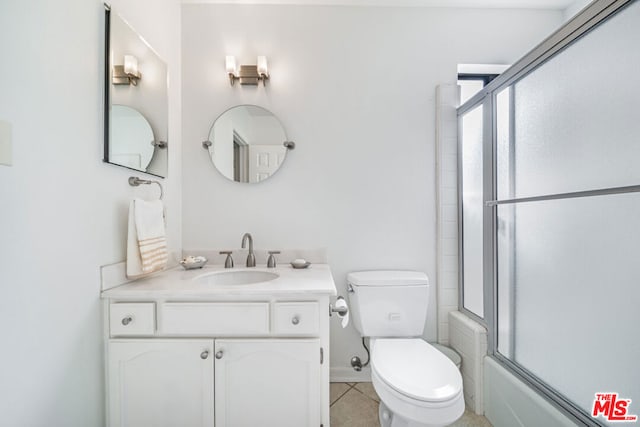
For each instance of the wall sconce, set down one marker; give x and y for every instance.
(127, 74)
(249, 74)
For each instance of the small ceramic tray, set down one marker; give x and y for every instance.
(197, 262)
(305, 265)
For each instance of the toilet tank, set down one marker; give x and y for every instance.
(388, 303)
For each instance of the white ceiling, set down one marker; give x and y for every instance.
(518, 4)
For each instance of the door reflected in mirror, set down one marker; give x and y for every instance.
(136, 106)
(247, 144)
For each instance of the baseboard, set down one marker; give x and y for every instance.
(348, 375)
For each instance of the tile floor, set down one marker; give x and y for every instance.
(356, 405)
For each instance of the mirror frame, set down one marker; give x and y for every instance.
(107, 101)
(107, 89)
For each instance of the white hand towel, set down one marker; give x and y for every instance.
(147, 243)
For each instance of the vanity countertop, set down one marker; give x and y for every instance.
(177, 283)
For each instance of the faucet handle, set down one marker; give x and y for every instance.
(271, 262)
(228, 263)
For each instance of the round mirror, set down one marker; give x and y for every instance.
(132, 139)
(247, 144)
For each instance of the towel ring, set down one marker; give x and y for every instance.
(134, 181)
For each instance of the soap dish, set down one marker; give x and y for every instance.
(300, 264)
(191, 262)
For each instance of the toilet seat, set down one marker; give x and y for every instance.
(415, 369)
(416, 382)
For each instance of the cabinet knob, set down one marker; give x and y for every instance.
(204, 354)
(127, 320)
(219, 354)
(295, 320)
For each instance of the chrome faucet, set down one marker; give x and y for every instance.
(251, 258)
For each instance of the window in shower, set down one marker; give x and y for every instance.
(470, 84)
(472, 78)
(471, 219)
(475, 128)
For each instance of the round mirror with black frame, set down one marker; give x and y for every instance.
(247, 143)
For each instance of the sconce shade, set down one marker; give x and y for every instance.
(127, 74)
(263, 69)
(131, 65)
(230, 63)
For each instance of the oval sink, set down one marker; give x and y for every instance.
(236, 277)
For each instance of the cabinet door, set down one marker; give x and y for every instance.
(268, 383)
(161, 383)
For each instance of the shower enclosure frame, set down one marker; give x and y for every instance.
(589, 18)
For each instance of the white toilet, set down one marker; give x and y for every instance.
(418, 385)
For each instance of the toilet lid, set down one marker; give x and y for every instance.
(416, 369)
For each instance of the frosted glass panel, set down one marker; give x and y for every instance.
(471, 153)
(575, 277)
(577, 119)
(504, 224)
(505, 150)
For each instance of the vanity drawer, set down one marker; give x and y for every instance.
(132, 319)
(215, 319)
(296, 318)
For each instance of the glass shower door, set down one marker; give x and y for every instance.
(567, 240)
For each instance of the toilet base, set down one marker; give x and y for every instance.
(389, 419)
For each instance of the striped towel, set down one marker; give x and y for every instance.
(147, 242)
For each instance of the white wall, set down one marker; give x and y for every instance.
(62, 211)
(574, 8)
(355, 89)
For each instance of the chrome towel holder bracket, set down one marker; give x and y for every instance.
(134, 181)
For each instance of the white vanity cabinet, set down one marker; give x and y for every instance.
(158, 382)
(241, 362)
(267, 383)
